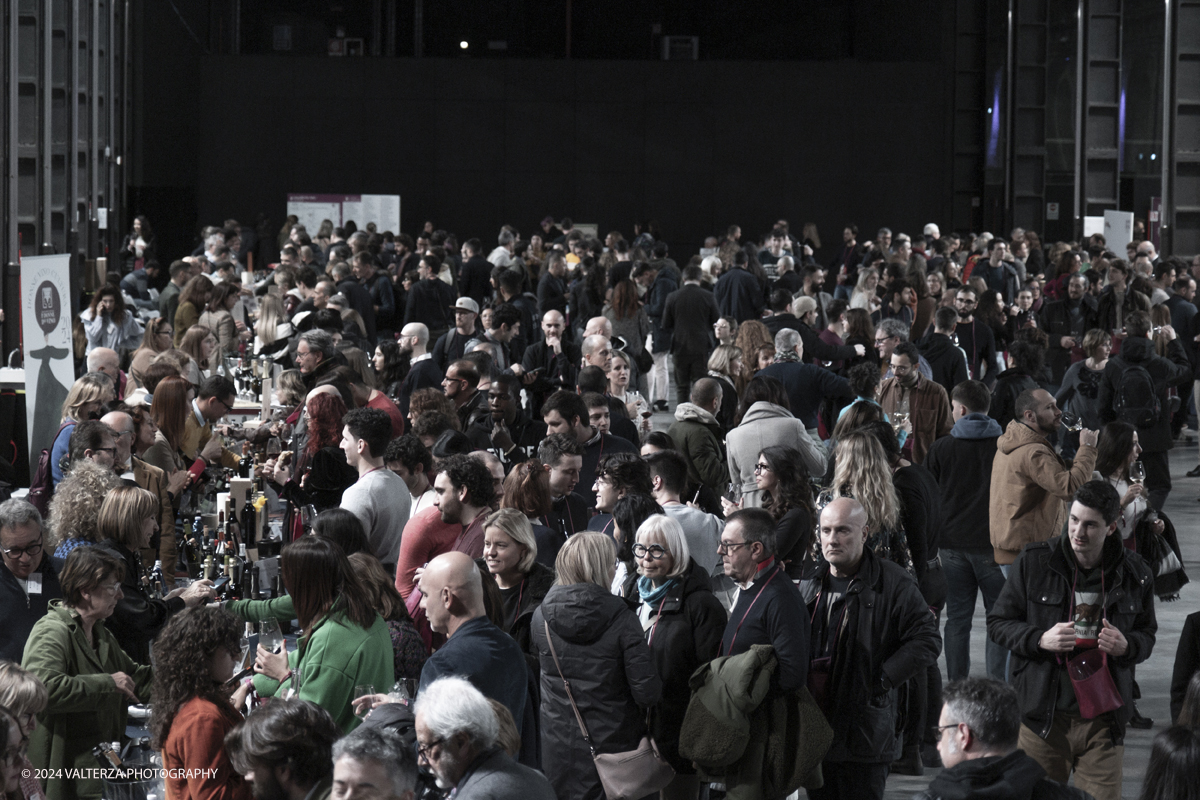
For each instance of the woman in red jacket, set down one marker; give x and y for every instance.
(196, 653)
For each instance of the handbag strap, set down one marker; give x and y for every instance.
(567, 685)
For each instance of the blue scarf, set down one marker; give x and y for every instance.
(651, 595)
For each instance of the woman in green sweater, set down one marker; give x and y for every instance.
(345, 643)
(89, 679)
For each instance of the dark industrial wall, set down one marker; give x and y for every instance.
(475, 144)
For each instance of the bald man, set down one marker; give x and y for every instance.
(154, 480)
(106, 360)
(452, 597)
(423, 371)
(551, 364)
(871, 632)
(599, 326)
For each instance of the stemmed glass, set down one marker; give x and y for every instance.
(1137, 473)
(1071, 421)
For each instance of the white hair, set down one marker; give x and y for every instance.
(932, 230)
(453, 705)
(786, 340)
(666, 531)
(709, 263)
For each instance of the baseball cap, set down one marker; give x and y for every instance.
(467, 304)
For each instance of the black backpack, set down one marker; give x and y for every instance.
(1136, 400)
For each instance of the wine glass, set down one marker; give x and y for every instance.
(1137, 473)
(362, 690)
(269, 635)
(1071, 421)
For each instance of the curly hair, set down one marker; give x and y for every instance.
(752, 336)
(325, 412)
(423, 400)
(181, 658)
(862, 472)
(109, 290)
(75, 507)
(471, 473)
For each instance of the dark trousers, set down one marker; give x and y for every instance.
(848, 780)
(1158, 478)
(689, 368)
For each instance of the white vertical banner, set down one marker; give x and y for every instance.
(49, 361)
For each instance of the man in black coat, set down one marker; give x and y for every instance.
(358, 297)
(1066, 322)
(423, 372)
(378, 285)
(817, 350)
(552, 286)
(430, 299)
(688, 316)
(978, 733)
(768, 608)
(475, 277)
(1154, 431)
(453, 344)
(28, 579)
(871, 632)
(781, 312)
(961, 463)
(506, 430)
(552, 363)
(738, 292)
(948, 363)
(1106, 595)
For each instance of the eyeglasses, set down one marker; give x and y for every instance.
(725, 547)
(29, 550)
(111, 588)
(879, 340)
(941, 728)
(14, 756)
(654, 552)
(423, 750)
(761, 468)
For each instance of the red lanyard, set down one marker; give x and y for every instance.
(752, 602)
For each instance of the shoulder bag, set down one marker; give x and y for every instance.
(624, 776)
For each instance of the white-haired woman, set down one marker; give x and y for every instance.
(683, 622)
(510, 555)
(604, 656)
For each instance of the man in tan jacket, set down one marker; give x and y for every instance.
(1031, 484)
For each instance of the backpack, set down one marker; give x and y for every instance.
(42, 485)
(1136, 400)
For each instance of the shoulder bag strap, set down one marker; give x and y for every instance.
(567, 686)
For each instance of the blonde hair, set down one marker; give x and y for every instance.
(722, 359)
(75, 507)
(88, 389)
(122, 514)
(862, 472)
(270, 314)
(666, 531)
(21, 692)
(193, 341)
(291, 387)
(586, 557)
(515, 525)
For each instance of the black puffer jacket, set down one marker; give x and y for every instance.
(1037, 596)
(685, 632)
(889, 634)
(605, 658)
(537, 584)
(1015, 776)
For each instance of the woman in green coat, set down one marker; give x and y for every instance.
(89, 678)
(345, 642)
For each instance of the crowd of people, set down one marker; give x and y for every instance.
(501, 567)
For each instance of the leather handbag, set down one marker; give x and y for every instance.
(624, 776)
(1095, 690)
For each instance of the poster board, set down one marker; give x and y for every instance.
(1118, 230)
(49, 363)
(312, 209)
